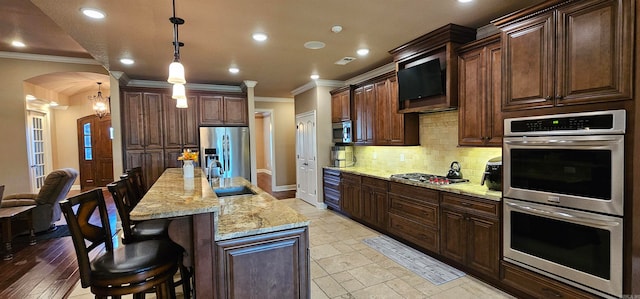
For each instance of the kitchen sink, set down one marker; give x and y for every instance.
(233, 191)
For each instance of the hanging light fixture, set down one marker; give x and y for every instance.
(100, 104)
(180, 95)
(176, 69)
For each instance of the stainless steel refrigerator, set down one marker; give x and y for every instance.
(230, 147)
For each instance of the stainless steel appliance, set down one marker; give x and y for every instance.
(342, 132)
(563, 197)
(230, 147)
(342, 156)
(492, 175)
(426, 178)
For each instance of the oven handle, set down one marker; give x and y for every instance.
(565, 216)
(554, 141)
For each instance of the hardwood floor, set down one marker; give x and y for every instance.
(264, 182)
(48, 269)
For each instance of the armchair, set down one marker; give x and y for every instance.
(55, 188)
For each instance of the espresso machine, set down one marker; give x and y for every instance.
(212, 164)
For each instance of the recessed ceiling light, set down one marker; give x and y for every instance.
(30, 97)
(127, 61)
(53, 104)
(336, 29)
(464, 1)
(18, 44)
(234, 70)
(260, 37)
(362, 52)
(314, 45)
(314, 77)
(93, 13)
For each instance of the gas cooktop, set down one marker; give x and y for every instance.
(427, 178)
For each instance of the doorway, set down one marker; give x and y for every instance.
(38, 143)
(95, 154)
(306, 167)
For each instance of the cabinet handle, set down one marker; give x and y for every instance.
(466, 204)
(548, 98)
(559, 97)
(551, 292)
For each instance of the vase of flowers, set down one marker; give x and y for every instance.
(187, 159)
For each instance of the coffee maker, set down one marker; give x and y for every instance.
(342, 156)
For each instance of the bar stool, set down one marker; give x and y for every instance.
(137, 184)
(133, 268)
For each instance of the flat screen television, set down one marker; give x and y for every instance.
(421, 81)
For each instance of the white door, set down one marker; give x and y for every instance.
(306, 157)
(36, 146)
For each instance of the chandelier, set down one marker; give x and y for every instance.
(100, 104)
(176, 69)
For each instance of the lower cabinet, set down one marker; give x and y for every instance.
(470, 233)
(350, 197)
(332, 188)
(374, 202)
(271, 265)
(533, 285)
(413, 215)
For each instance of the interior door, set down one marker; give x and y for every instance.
(95, 153)
(37, 146)
(306, 158)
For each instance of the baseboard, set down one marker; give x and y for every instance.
(267, 171)
(284, 188)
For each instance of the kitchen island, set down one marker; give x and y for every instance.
(233, 240)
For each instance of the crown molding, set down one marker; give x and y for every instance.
(189, 86)
(372, 74)
(317, 83)
(48, 58)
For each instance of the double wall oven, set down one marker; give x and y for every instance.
(563, 197)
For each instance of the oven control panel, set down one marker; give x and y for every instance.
(586, 123)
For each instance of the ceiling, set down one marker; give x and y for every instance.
(217, 35)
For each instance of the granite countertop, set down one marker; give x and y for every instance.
(469, 189)
(235, 216)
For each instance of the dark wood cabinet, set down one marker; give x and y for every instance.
(151, 161)
(223, 110)
(414, 215)
(341, 104)
(576, 53)
(181, 124)
(365, 108)
(470, 233)
(480, 98)
(332, 188)
(271, 265)
(525, 283)
(374, 202)
(350, 197)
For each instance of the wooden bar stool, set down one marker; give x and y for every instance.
(133, 268)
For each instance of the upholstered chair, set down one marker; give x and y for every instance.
(55, 188)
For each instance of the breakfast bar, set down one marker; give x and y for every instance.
(233, 234)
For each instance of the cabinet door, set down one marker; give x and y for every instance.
(483, 252)
(340, 106)
(594, 52)
(235, 111)
(472, 82)
(360, 118)
(384, 120)
(397, 123)
(132, 121)
(211, 110)
(493, 112)
(453, 235)
(528, 73)
(190, 123)
(152, 121)
(151, 161)
(273, 265)
(351, 201)
(370, 111)
(180, 124)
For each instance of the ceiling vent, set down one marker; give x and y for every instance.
(345, 60)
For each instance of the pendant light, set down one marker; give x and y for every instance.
(100, 104)
(176, 69)
(180, 95)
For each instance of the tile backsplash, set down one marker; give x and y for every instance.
(438, 148)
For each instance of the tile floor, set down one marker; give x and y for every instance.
(344, 267)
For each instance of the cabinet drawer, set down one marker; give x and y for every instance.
(334, 184)
(375, 183)
(414, 232)
(332, 198)
(538, 286)
(471, 206)
(351, 178)
(417, 193)
(424, 213)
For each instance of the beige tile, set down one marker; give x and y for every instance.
(348, 281)
(316, 292)
(316, 270)
(404, 289)
(343, 262)
(379, 291)
(323, 251)
(330, 286)
(371, 274)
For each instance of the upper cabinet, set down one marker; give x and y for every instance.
(341, 104)
(567, 54)
(180, 129)
(480, 114)
(441, 45)
(216, 110)
(364, 102)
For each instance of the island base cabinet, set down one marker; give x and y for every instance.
(271, 265)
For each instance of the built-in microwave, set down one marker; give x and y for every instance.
(342, 132)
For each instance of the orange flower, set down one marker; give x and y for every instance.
(188, 155)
